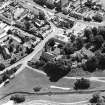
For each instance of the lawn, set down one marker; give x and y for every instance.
(28, 79)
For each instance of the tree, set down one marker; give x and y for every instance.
(101, 59)
(11, 48)
(9, 32)
(17, 98)
(2, 0)
(65, 11)
(60, 45)
(90, 3)
(98, 40)
(37, 89)
(50, 4)
(13, 61)
(41, 2)
(90, 65)
(101, 31)
(81, 84)
(87, 19)
(68, 49)
(41, 15)
(2, 66)
(5, 76)
(79, 43)
(98, 17)
(103, 48)
(94, 31)
(58, 6)
(96, 99)
(28, 50)
(27, 25)
(51, 42)
(1, 80)
(88, 34)
(39, 63)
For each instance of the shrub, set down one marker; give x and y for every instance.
(18, 98)
(81, 84)
(37, 89)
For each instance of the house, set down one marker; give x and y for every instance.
(18, 12)
(39, 23)
(61, 39)
(47, 55)
(4, 52)
(64, 2)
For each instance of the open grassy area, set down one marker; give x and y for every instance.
(28, 79)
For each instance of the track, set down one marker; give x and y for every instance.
(53, 93)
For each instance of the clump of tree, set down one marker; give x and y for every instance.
(98, 41)
(95, 31)
(87, 19)
(101, 31)
(28, 50)
(81, 84)
(65, 11)
(5, 76)
(88, 3)
(78, 43)
(88, 34)
(18, 98)
(51, 42)
(50, 4)
(97, 99)
(2, 66)
(58, 7)
(97, 18)
(57, 69)
(40, 2)
(90, 65)
(101, 60)
(13, 60)
(41, 15)
(68, 49)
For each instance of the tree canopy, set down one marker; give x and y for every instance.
(57, 69)
(82, 84)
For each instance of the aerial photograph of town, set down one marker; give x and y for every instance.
(52, 52)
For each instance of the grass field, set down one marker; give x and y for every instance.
(28, 79)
